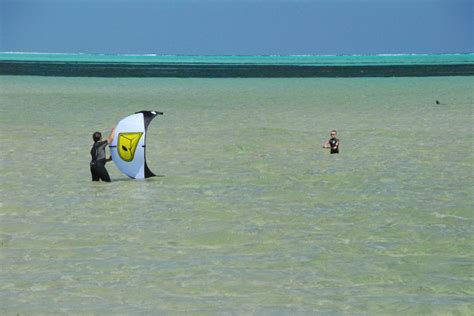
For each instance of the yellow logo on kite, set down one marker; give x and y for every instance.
(127, 145)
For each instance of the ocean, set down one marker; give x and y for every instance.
(248, 214)
(87, 65)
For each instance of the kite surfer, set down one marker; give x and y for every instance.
(332, 143)
(98, 155)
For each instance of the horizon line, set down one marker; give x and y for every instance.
(238, 55)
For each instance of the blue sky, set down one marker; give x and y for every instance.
(237, 27)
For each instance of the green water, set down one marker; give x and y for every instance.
(250, 215)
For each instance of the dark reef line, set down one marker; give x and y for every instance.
(189, 70)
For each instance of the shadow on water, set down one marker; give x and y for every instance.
(152, 179)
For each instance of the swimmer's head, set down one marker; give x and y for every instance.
(333, 133)
(96, 136)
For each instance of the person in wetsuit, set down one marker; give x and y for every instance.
(332, 143)
(99, 159)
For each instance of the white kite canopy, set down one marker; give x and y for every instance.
(129, 144)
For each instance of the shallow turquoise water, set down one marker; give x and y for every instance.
(250, 215)
(352, 60)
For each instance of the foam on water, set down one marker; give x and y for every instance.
(353, 60)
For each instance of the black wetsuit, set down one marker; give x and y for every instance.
(334, 143)
(98, 161)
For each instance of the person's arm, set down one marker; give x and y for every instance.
(109, 141)
(111, 136)
(326, 145)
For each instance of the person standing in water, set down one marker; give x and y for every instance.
(332, 143)
(99, 159)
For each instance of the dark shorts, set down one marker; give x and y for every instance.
(99, 172)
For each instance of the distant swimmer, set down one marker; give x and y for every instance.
(99, 159)
(332, 143)
(437, 102)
